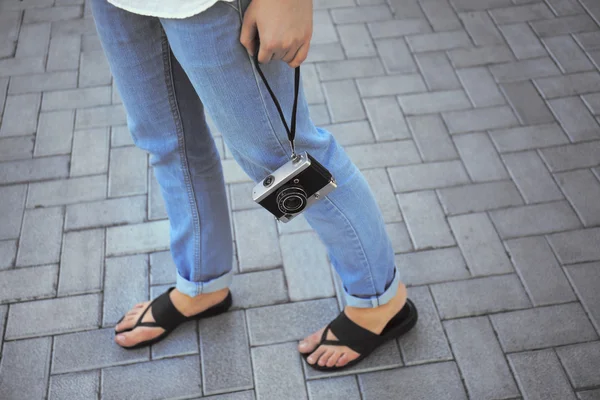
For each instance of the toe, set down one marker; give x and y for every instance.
(325, 357)
(310, 343)
(333, 359)
(314, 357)
(343, 360)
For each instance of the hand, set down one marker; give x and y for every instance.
(284, 27)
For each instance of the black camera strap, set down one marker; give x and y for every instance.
(291, 130)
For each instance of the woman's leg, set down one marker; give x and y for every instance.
(166, 118)
(348, 220)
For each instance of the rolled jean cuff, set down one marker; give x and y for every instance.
(375, 301)
(195, 288)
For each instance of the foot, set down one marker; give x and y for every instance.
(186, 305)
(373, 319)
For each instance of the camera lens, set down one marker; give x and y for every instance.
(291, 199)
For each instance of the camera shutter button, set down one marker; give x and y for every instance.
(268, 180)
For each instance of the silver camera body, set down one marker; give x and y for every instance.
(294, 187)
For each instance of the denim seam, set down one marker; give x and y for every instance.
(182, 149)
(356, 239)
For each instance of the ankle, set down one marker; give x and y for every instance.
(188, 305)
(388, 309)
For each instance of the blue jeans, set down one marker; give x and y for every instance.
(167, 71)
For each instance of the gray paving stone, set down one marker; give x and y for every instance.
(580, 361)
(480, 56)
(76, 98)
(232, 171)
(427, 176)
(278, 372)
(481, 28)
(90, 152)
(34, 169)
(54, 133)
(395, 55)
(479, 296)
(33, 40)
(298, 224)
(244, 395)
(584, 278)
(540, 273)
(528, 138)
(480, 87)
(567, 54)
(438, 41)
(575, 118)
(531, 177)
(3, 91)
(478, 5)
(241, 196)
(64, 53)
(92, 349)
(576, 246)
(540, 376)
(343, 101)
(426, 342)
(301, 251)
(399, 237)
(527, 103)
(346, 69)
(20, 114)
(406, 9)
(350, 133)
(66, 191)
(255, 255)
(434, 102)
(565, 7)
(543, 327)
(28, 283)
(479, 119)
(356, 40)
(155, 380)
(524, 70)
(84, 385)
(24, 369)
(10, 23)
(312, 85)
(21, 66)
(319, 114)
(397, 28)
(479, 197)
(82, 262)
(386, 118)
(589, 395)
(569, 85)
(84, 26)
(384, 154)
(139, 238)
(592, 8)
(441, 15)
(127, 172)
(588, 40)
(480, 358)
(48, 317)
(324, 30)
(94, 69)
(325, 52)
(431, 137)
(8, 253)
(258, 289)
(162, 268)
(225, 355)
(480, 244)
(41, 236)
(288, 322)
(581, 188)
(425, 220)
(572, 156)
(350, 15)
(102, 116)
(343, 388)
(381, 187)
(43, 82)
(535, 219)
(390, 85)
(12, 200)
(522, 41)
(564, 25)
(431, 381)
(106, 212)
(33, 15)
(125, 284)
(431, 266)
(3, 312)
(120, 136)
(521, 13)
(592, 101)
(480, 158)
(437, 71)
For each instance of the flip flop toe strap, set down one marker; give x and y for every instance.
(165, 314)
(351, 335)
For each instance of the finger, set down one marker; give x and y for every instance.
(300, 56)
(291, 54)
(249, 34)
(265, 54)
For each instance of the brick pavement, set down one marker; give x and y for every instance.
(475, 122)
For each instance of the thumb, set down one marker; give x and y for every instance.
(249, 35)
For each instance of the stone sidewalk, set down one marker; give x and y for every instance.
(475, 121)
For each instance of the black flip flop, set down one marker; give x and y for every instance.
(361, 340)
(168, 317)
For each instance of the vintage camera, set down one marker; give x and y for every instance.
(293, 187)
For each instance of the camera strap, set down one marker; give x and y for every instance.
(291, 129)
